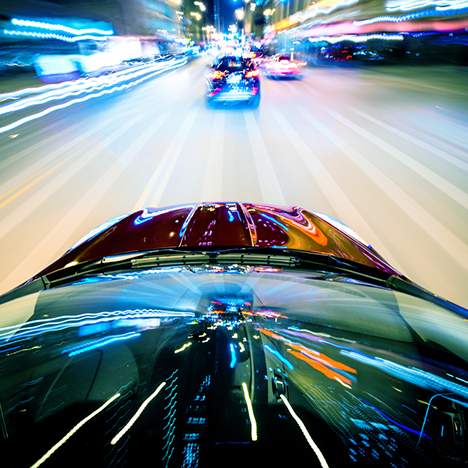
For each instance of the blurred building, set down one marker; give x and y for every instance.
(200, 16)
(127, 17)
(430, 30)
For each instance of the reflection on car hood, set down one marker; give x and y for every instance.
(222, 225)
(208, 366)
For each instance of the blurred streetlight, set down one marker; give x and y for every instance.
(196, 15)
(240, 14)
(253, 6)
(200, 5)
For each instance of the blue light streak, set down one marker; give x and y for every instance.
(60, 37)
(400, 425)
(279, 357)
(60, 27)
(275, 221)
(114, 89)
(412, 375)
(233, 356)
(104, 342)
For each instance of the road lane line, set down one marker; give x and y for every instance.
(437, 181)
(29, 206)
(269, 183)
(56, 241)
(340, 202)
(442, 236)
(416, 141)
(12, 195)
(213, 180)
(166, 164)
(59, 153)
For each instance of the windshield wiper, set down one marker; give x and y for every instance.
(277, 257)
(285, 258)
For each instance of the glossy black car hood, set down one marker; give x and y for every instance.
(230, 366)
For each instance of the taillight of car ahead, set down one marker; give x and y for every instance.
(216, 75)
(252, 74)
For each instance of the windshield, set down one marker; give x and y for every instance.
(190, 149)
(251, 357)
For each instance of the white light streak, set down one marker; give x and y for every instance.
(72, 102)
(182, 348)
(60, 37)
(137, 414)
(73, 431)
(357, 38)
(253, 422)
(60, 27)
(306, 433)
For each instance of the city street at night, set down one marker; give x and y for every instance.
(383, 149)
(234, 233)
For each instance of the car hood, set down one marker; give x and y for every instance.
(223, 225)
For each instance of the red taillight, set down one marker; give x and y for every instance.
(217, 75)
(252, 74)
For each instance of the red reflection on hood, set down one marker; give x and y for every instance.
(219, 225)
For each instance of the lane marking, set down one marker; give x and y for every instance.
(269, 184)
(213, 180)
(21, 213)
(330, 189)
(165, 167)
(437, 181)
(442, 236)
(416, 141)
(54, 241)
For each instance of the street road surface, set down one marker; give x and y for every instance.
(384, 149)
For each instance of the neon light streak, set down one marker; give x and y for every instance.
(275, 221)
(279, 357)
(105, 342)
(183, 347)
(73, 431)
(60, 27)
(253, 421)
(137, 414)
(75, 89)
(306, 433)
(88, 97)
(60, 37)
(233, 355)
(388, 418)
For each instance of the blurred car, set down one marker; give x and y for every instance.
(191, 334)
(366, 54)
(282, 66)
(336, 53)
(233, 79)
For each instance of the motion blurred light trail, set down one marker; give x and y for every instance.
(114, 87)
(159, 145)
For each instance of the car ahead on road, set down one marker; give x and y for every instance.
(233, 79)
(230, 331)
(283, 66)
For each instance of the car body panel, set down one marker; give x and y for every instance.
(220, 225)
